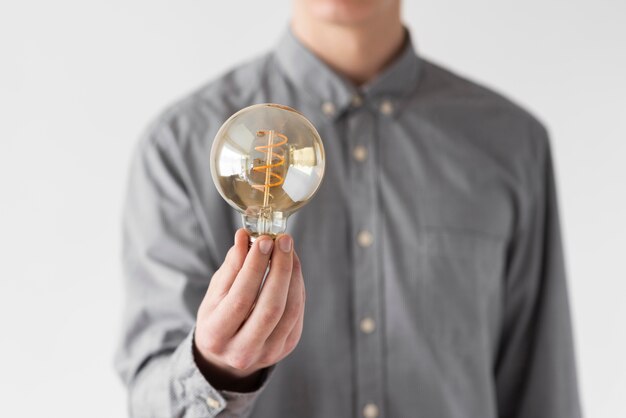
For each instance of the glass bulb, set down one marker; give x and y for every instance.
(267, 161)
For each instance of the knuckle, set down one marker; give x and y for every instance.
(240, 306)
(240, 361)
(230, 264)
(269, 357)
(292, 341)
(297, 266)
(212, 297)
(282, 267)
(271, 313)
(255, 268)
(211, 345)
(293, 308)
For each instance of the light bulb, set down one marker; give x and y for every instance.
(267, 161)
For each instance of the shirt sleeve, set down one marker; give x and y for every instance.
(168, 263)
(535, 368)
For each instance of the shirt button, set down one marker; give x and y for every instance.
(328, 108)
(386, 107)
(212, 402)
(357, 101)
(370, 410)
(365, 239)
(367, 325)
(359, 153)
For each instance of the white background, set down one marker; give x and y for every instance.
(79, 80)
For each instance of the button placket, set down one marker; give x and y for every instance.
(362, 132)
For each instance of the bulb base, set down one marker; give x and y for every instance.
(270, 224)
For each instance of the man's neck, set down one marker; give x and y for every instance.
(357, 52)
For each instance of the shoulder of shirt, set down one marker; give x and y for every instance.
(445, 85)
(211, 103)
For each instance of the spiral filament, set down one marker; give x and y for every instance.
(273, 160)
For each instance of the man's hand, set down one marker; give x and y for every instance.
(232, 343)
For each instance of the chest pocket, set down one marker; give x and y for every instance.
(458, 279)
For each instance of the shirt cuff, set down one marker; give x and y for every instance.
(199, 398)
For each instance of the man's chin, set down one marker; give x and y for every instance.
(346, 12)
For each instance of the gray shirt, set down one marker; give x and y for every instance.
(431, 253)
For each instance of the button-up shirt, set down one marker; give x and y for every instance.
(431, 253)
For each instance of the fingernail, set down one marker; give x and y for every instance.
(266, 245)
(285, 243)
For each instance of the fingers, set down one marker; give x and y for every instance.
(224, 277)
(226, 335)
(293, 338)
(273, 298)
(281, 340)
(234, 307)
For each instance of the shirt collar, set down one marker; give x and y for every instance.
(334, 92)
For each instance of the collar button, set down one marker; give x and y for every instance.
(357, 101)
(328, 108)
(386, 107)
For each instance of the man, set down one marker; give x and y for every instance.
(431, 254)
